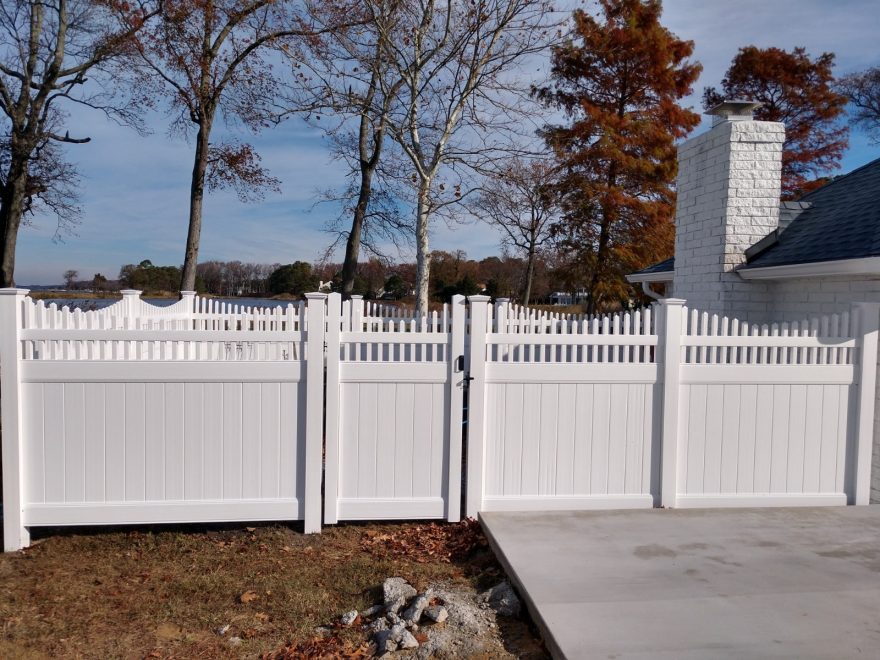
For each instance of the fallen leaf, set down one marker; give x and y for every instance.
(262, 617)
(248, 596)
(169, 631)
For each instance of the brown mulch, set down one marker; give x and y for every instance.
(427, 543)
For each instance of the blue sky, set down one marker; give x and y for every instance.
(135, 189)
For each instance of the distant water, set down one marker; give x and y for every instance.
(99, 303)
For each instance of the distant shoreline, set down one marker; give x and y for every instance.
(46, 294)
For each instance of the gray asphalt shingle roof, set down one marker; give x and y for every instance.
(664, 266)
(843, 222)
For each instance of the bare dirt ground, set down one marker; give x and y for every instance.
(266, 591)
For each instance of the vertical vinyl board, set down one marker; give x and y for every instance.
(697, 430)
(846, 399)
(730, 438)
(796, 438)
(601, 439)
(290, 439)
(829, 443)
(135, 441)
(746, 450)
(566, 439)
(53, 428)
(439, 440)
(513, 438)
(94, 449)
(684, 434)
(763, 413)
(366, 439)
(548, 438)
(232, 437)
(251, 436)
(154, 440)
(34, 447)
(115, 445)
(651, 422)
(617, 438)
(404, 433)
(75, 449)
(813, 439)
(530, 421)
(715, 419)
(213, 441)
(193, 438)
(422, 438)
(583, 442)
(386, 440)
(270, 439)
(174, 459)
(779, 442)
(349, 439)
(635, 408)
(493, 456)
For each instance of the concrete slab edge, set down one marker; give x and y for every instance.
(531, 606)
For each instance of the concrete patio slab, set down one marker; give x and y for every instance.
(732, 583)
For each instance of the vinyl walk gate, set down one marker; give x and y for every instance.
(203, 411)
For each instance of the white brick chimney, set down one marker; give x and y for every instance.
(729, 182)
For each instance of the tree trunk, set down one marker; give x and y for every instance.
(353, 244)
(11, 209)
(423, 256)
(530, 274)
(601, 255)
(196, 197)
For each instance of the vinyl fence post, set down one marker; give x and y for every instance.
(331, 471)
(15, 534)
(130, 298)
(314, 410)
(357, 313)
(188, 299)
(669, 351)
(479, 310)
(456, 400)
(868, 315)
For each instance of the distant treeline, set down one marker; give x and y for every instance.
(451, 273)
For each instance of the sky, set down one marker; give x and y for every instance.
(135, 190)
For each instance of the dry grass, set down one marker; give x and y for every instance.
(163, 593)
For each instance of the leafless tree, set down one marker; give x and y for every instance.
(347, 86)
(460, 102)
(519, 200)
(863, 91)
(49, 51)
(214, 58)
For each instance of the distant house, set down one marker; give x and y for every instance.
(741, 252)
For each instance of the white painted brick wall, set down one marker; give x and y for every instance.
(728, 199)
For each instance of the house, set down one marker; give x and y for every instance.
(741, 252)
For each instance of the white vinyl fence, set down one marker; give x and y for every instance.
(670, 407)
(394, 411)
(136, 414)
(203, 411)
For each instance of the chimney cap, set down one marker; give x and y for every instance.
(733, 110)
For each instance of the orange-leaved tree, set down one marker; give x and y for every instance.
(799, 92)
(618, 79)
